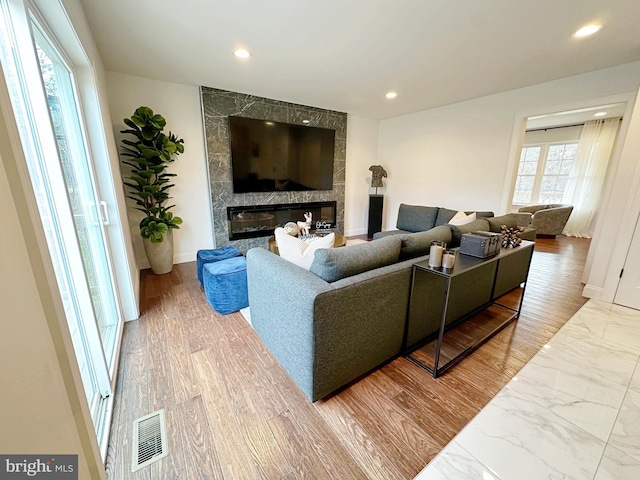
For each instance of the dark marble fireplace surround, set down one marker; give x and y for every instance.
(217, 106)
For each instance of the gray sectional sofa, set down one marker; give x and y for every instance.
(347, 315)
(418, 218)
(328, 331)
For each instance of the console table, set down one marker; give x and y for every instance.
(454, 311)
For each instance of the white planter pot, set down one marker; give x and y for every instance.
(160, 255)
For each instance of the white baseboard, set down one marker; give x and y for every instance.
(184, 257)
(143, 263)
(356, 231)
(591, 291)
(177, 258)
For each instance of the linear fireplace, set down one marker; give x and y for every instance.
(261, 220)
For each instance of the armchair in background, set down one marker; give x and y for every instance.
(549, 219)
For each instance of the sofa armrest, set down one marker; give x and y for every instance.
(327, 334)
(359, 325)
(264, 266)
(532, 208)
(281, 300)
(523, 219)
(551, 221)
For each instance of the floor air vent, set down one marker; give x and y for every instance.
(149, 440)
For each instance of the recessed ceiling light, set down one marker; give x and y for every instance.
(587, 30)
(391, 95)
(241, 53)
(305, 121)
(600, 114)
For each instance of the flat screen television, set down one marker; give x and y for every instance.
(269, 156)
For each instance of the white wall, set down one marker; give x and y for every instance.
(458, 156)
(181, 107)
(463, 156)
(617, 222)
(362, 152)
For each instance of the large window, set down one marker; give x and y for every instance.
(45, 102)
(543, 172)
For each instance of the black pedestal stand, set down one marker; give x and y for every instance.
(375, 214)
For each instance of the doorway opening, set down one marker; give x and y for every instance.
(563, 160)
(563, 117)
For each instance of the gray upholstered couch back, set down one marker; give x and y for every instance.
(327, 334)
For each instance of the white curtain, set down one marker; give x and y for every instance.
(586, 180)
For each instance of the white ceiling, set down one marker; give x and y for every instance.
(346, 54)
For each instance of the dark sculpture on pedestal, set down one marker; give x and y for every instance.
(377, 173)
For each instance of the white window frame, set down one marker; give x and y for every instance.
(101, 144)
(542, 162)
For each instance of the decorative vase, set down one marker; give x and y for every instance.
(160, 255)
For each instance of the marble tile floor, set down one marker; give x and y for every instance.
(572, 412)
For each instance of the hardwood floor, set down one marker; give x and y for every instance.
(233, 413)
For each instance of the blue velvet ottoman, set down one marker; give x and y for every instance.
(225, 284)
(214, 255)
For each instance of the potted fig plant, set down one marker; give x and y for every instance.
(148, 183)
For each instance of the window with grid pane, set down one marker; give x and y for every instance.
(543, 171)
(556, 171)
(527, 169)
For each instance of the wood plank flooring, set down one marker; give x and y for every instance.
(233, 413)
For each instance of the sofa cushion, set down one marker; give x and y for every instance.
(298, 251)
(462, 218)
(416, 218)
(419, 243)
(481, 224)
(337, 263)
(445, 215)
(495, 223)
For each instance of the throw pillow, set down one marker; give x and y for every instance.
(338, 263)
(462, 218)
(444, 216)
(298, 251)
